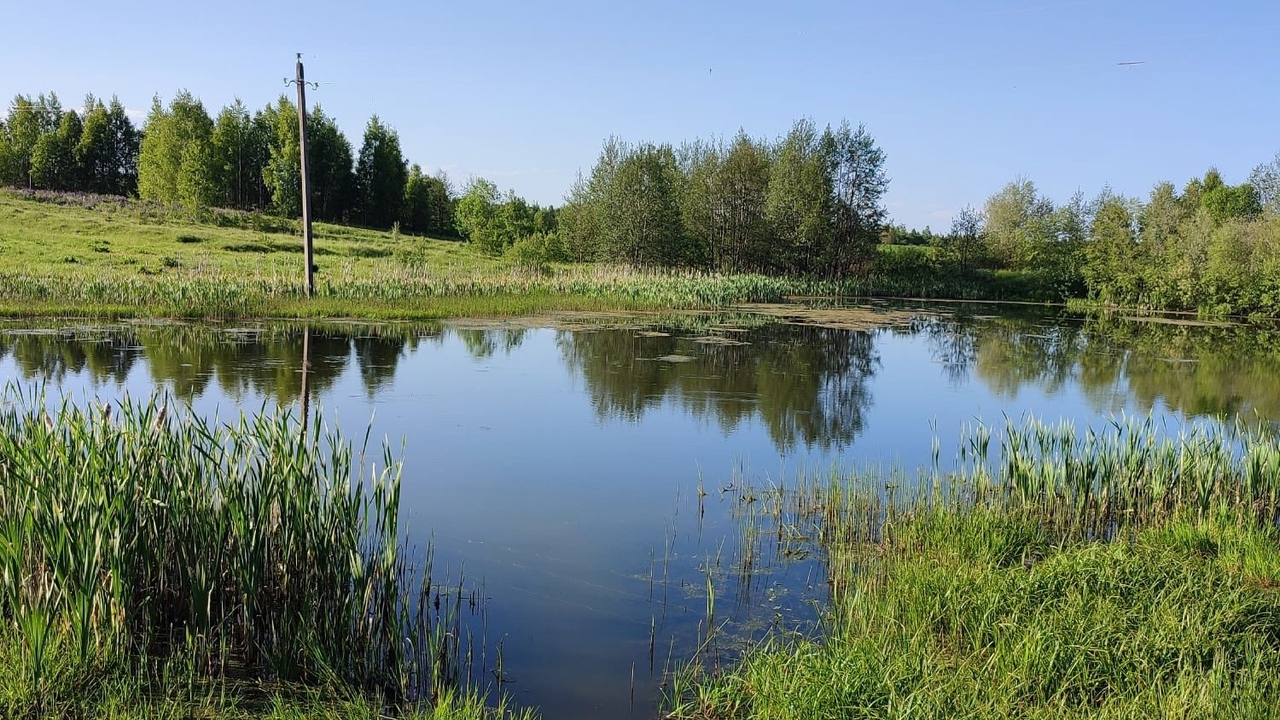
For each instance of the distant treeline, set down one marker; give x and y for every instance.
(808, 203)
(1213, 247)
(95, 150)
(238, 160)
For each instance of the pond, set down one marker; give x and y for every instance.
(585, 478)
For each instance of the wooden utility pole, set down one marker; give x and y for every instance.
(306, 180)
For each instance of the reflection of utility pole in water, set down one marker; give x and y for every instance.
(305, 399)
(305, 177)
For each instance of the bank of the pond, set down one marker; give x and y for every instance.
(399, 293)
(1116, 575)
(153, 564)
(67, 256)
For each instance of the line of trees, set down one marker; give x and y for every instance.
(809, 203)
(238, 160)
(1213, 246)
(500, 223)
(43, 146)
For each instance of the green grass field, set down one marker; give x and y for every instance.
(73, 234)
(70, 255)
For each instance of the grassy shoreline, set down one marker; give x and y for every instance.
(1114, 574)
(106, 257)
(70, 255)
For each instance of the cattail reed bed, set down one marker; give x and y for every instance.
(1126, 572)
(144, 547)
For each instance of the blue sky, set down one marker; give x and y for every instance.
(962, 96)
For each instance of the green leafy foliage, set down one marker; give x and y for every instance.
(108, 150)
(809, 204)
(494, 223)
(176, 160)
(27, 121)
(1111, 573)
(381, 175)
(53, 159)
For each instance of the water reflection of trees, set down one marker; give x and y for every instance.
(53, 355)
(807, 385)
(262, 362)
(1193, 369)
(483, 343)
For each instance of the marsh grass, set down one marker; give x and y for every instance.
(146, 553)
(1123, 573)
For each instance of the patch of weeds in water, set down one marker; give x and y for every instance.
(256, 550)
(1056, 573)
(718, 340)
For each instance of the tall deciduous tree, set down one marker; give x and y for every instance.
(279, 123)
(1113, 271)
(858, 183)
(1265, 178)
(428, 204)
(415, 214)
(108, 150)
(1020, 225)
(27, 121)
(582, 219)
(381, 174)
(723, 205)
(799, 203)
(642, 222)
(240, 152)
(53, 160)
(331, 164)
(477, 216)
(742, 187)
(176, 162)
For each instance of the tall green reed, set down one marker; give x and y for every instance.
(134, 532)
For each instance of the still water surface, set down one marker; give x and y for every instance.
(558, 466)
